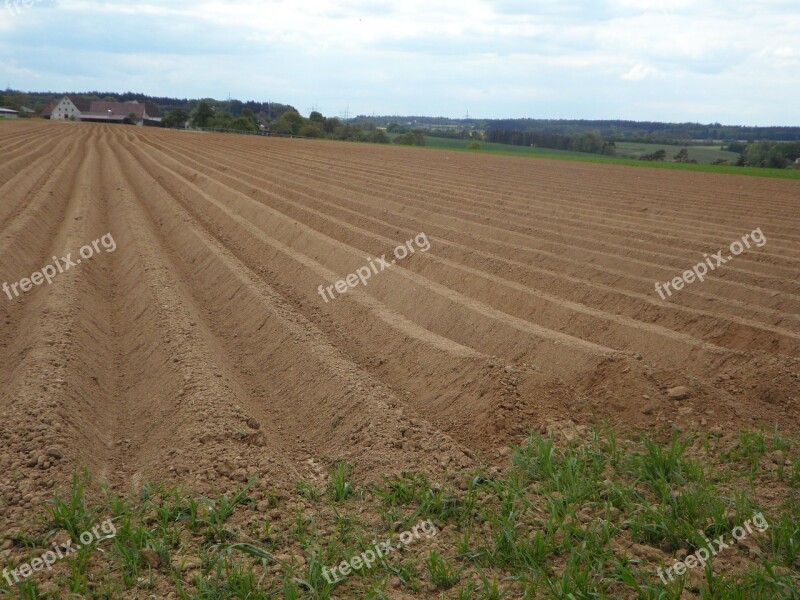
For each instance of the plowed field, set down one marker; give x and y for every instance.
(200, 351)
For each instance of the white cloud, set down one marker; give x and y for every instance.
(638, 59)
(639, 72)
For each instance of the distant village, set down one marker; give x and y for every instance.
(73, 108)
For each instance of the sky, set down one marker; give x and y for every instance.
(730, 62)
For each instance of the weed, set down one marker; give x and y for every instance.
(307, 491)
(551, 526)
(340, 484)
(440, 572)
(71, 514)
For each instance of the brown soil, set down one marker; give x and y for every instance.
(200, 351)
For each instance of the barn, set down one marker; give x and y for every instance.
(99, 111)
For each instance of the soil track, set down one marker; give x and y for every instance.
(200, 351)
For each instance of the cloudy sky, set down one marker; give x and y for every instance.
(670, 60)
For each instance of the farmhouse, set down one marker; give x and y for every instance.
(68, 108)
(7, 113)
(99, 111)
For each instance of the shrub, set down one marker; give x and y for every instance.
(378, 137)
(311, 130)
(412, 138)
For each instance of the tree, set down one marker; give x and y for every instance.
(311, 130)
(357, 134)
(407, 139)
(776, 158)
(234, 107)
(332, 125)
(222, 119)
(289, 123)
(202, 115)
(316, 116)
(657, 155)
(588, 142)
(774, 155)
(682, 156)
(177, 117)
(242, 123)
(344, 132)
(250, 116)
(474, 145)
(412, 138)
(735, 147)
(378, 137)
(132, 118)
(246, 121)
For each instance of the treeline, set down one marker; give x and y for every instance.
(319, 126)
(264, 111)
(452, 134)
(610, 130)
(650, 131)
(420, 122)
(207, 117)
(769, 154)
(591, 142)
(19, 100)
(290, 123)
(4, 103)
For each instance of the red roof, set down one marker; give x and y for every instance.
(124, 108)
(152, 110)
(82, 104)
(48, 110)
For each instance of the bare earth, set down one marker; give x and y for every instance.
(200, 351)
